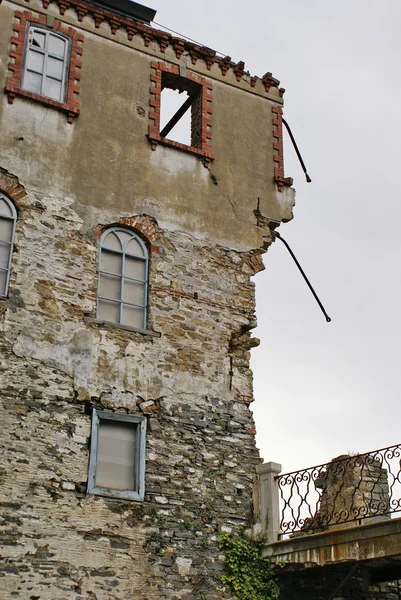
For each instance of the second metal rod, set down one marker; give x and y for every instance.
(278, 236)
(308, 179)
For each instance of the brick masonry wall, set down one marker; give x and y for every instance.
(193, 383)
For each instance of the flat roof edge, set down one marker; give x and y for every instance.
(127, 8)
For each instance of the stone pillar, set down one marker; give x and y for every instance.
(269, 510)
(353, 488)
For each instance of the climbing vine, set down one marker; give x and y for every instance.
(249, 574)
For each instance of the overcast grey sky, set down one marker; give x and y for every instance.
(325, 389)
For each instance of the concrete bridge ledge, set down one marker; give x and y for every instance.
(367, 542)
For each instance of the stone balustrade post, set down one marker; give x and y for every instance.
(269, 500)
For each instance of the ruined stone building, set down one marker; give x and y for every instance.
(126, 301)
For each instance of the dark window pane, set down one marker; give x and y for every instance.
(108, 311)
(54, 68)
(56, 45)
(3, 279)
(134, 268)
(34, 61)
(37, 39)
(52, 89)
(33, 82)
(133, 316)
(6, 230)
(111, 262)
(110, 286)
(134, 292)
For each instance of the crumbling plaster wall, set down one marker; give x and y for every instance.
(103, 158)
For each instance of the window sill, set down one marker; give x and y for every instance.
(71, 110)
(206, 154)
(119, 495)
(121, 326)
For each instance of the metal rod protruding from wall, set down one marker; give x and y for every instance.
(278, 236)
(308, 179)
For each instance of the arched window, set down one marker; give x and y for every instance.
(46, 63)
(8, 216)
(123, 278)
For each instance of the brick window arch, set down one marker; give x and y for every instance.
(123, 278)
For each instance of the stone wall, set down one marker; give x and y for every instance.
(193, 383)
(72, 172)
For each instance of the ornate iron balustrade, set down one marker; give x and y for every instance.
(348, 489)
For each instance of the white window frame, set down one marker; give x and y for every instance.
(31, 28)
(140, 422)
(13, 218)
(123, 277)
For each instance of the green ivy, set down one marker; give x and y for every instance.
(249, 574)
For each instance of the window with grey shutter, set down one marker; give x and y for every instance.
(117, 456)
(8, 216)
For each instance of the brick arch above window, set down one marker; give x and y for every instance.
(10, 185)
(16, 85)
(144, 225)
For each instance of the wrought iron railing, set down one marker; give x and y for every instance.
(348, 489)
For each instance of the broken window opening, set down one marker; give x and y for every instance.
(181, 110)
(179, 130)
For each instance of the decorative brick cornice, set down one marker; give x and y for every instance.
(279, 178)
(18, 41)
(149, 34)
(201, 118)
(269, 81)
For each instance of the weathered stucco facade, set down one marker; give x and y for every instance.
(70, 178)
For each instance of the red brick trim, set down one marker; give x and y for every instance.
(270, 81)
(13, 83)
(278, 147)
(151, 34)
(202, 118)
(144, 224)
(255, 263)
(12, 187)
